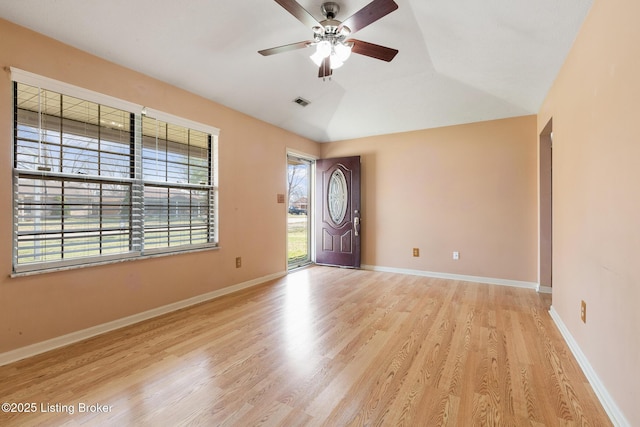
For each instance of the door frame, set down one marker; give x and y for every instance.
(311, 205)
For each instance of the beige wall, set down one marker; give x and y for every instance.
(252, 224)
(596, 196)
(469, 188)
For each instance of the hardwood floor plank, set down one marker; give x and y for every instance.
(320, 347)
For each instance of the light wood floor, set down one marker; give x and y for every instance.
(321, 346)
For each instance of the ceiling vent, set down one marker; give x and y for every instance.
(301, 102)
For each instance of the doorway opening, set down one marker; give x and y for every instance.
(299, 174)
(546, 209)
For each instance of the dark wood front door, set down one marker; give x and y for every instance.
(338, 212)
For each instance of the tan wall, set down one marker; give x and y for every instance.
(252, 224)
(596, 196)
(469, 188)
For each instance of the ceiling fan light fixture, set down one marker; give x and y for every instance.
(317, 58)
(338, 52)
(335, 62)
(343, 51)
(323, 48)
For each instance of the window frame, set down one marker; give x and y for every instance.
(137, 182)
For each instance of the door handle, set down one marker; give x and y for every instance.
(356, 222)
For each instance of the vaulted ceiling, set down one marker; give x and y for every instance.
(459, 61)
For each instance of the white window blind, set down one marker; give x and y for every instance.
(93, 182)
(178, 186)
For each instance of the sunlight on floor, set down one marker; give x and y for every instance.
(299, 329)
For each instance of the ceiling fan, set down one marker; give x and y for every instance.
(332, 37)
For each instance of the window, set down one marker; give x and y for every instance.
(94, 181)
(176, 164)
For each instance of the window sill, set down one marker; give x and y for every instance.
(109, 262)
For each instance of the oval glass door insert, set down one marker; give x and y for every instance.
(337, 195)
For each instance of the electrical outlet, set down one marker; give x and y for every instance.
(416, 251)
(583, 311)
(456, 255)
(238, 262)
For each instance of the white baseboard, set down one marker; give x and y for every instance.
(476, 279)
(616, 416)
(41, 347)
(543, 289)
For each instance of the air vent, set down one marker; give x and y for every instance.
(301, 102)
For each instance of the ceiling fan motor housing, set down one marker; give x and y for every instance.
(330, 9)
(330, 25)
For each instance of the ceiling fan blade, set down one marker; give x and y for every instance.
(299, 12)
(325, 68)
(368, 14)
(284, 48)
(373, 50)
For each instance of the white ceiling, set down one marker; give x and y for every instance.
(460, 61)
